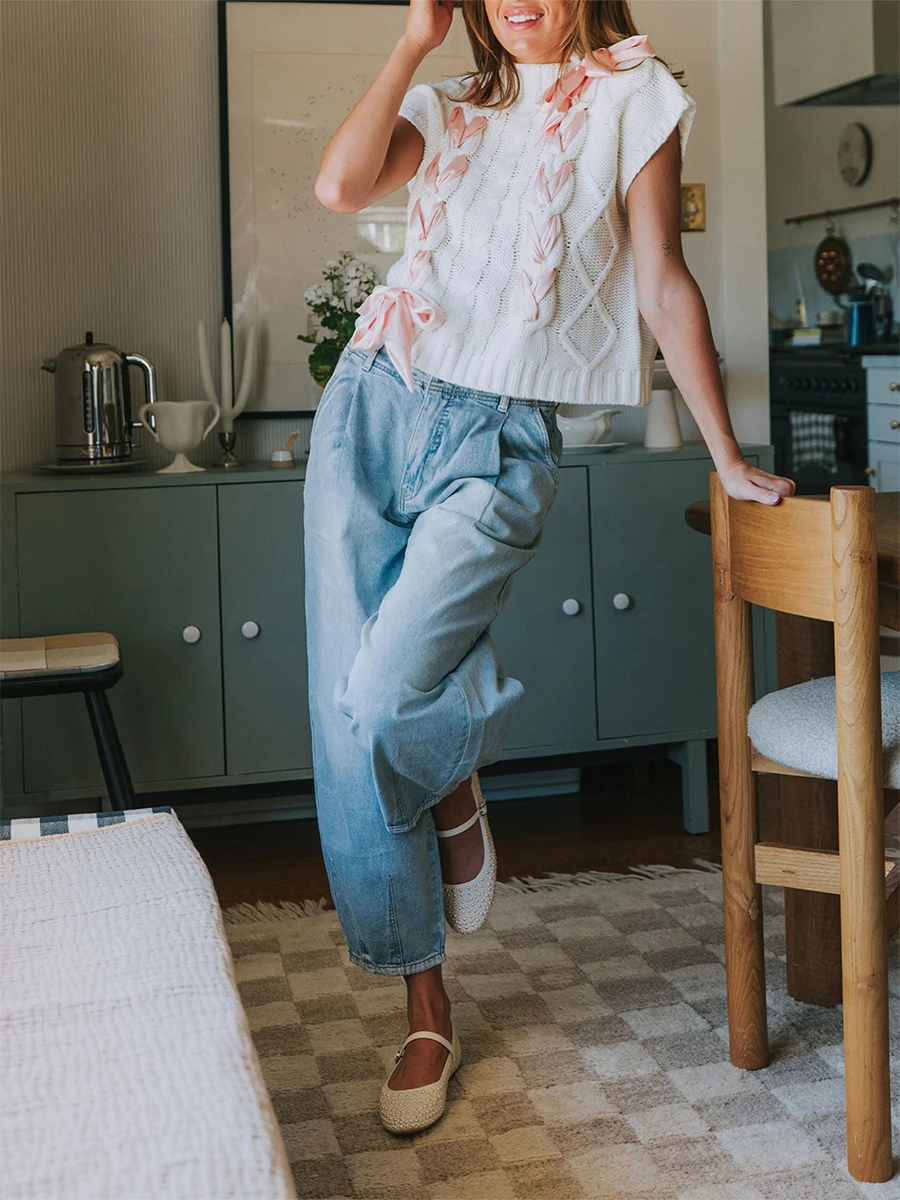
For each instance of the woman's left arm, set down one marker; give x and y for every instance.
(673, 307)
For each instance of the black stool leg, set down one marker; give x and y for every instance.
(109, 749)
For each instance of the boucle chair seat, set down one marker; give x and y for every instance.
(797, 727)
(57, 653)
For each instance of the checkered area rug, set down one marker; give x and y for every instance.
(593, 1025)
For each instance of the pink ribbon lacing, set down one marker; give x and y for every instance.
(391, 315)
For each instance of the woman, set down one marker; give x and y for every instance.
(542, 265)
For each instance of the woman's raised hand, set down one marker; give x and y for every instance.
(428, 22)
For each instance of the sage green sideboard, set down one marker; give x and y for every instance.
(609, 627)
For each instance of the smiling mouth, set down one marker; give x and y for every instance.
(525, 20)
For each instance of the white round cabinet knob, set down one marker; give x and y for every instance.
(250, 629)
(191, 634)
(621, 601)
(571, 607)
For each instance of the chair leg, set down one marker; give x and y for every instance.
(865, 997)
(742, 895)
(109, 751)
(861, 834)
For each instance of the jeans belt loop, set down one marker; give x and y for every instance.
(370, 358)
(504, 403)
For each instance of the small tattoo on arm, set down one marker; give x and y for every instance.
(668, 248)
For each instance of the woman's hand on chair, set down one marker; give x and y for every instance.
(428, 22)
(743, 481)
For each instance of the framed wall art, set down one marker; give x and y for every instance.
(290, 71)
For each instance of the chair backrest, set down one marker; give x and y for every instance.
(817, 559)
(803, 555)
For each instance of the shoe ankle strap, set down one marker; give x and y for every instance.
(427, 1034)
(476, 816)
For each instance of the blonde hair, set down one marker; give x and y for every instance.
(495, 82)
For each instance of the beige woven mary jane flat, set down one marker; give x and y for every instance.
(466, 904)
(413, 1109)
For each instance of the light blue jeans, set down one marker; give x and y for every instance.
(419, 509)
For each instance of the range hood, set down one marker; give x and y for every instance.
(835, 52)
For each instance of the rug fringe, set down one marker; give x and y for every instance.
(559, 879)
(264, 910)
(286, 910)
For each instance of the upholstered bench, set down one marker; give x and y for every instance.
(127, 1068)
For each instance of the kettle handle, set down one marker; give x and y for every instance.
(149, 370)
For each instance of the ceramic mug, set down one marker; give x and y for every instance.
(179, 429)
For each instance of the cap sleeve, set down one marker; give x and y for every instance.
(421, 106)
(416, 107)
(648, 116)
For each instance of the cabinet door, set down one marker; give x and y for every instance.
(261, 549)
(884, 463)
(551, 652)
(656, 655)
(142, 564)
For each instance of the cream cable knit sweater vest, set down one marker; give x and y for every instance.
(518, 275)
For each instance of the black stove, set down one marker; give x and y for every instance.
(818, 410)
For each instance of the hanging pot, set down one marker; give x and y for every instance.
(834, 264)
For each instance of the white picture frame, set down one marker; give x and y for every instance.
(290, 72)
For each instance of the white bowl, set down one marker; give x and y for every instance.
(584, 429)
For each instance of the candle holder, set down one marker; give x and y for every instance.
(229, 406)
(227, 441)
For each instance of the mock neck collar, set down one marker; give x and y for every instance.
(535, 78)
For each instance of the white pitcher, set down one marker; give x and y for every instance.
(179, 429)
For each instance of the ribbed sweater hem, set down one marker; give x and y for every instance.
(446, 359)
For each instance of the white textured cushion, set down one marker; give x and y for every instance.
(797, 726)
(126, 1063)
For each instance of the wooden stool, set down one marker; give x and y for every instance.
(816, 559)
(74, 662)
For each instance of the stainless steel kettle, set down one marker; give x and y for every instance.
(94, 414)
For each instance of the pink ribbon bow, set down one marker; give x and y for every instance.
(564, 92)
(388, 317)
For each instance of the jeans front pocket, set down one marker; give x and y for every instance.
(553, 436)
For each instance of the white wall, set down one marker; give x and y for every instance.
(109, 189)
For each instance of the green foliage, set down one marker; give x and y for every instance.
(336, 303)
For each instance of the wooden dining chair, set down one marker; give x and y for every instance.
(817, 559)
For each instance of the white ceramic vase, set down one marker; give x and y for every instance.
(663, 427)
(179, 429)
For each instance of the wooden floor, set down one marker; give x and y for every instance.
(624, 816)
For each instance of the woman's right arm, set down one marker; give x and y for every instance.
(375, 151)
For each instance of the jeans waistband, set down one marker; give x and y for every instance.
(380, 361)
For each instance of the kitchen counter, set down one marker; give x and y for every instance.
(261, 472)
(842, 350)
